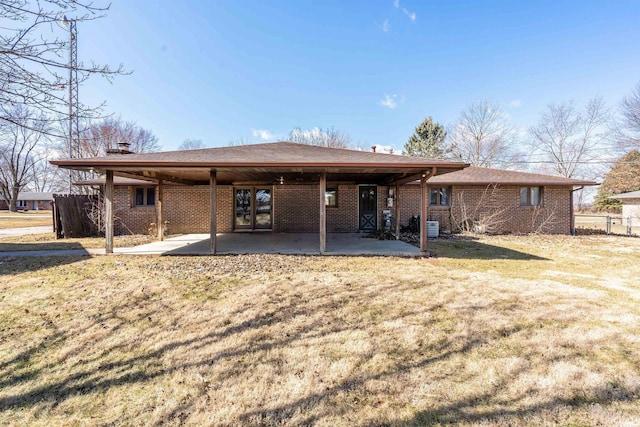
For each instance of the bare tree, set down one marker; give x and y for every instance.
(628, 130)
(323, 137)
(104, 135)
(191, 144)
(482, 136)
(568, 138)
(239, 142)
(19, 140)
(481, 213)
(48, 178)
(33, 51)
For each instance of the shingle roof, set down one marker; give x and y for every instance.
(474, 175)
(629, 195)
(30, 196)
(260, 154)
(265, 162)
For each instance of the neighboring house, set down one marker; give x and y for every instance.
(630, 207)
(27, 201)
(501, 201)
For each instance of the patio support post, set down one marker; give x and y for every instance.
(423, 213)
(397, 214)
(323, 213)
(213, 184)
(108, 212)
(160, 216)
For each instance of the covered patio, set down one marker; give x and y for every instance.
(275, 243)
(272, 165)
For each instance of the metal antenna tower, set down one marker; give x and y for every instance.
(74, 123)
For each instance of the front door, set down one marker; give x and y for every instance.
(368, 208)
(252, 208)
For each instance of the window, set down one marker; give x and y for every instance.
(439, 196)
(530, 196)
(145, 196)
(331, 197)
(22, 204)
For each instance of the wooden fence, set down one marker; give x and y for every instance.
(72, 216)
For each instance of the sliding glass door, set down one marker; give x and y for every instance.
(253, 208)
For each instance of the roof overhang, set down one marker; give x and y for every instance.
(187, 171)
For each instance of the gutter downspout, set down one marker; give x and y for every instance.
(572, 227)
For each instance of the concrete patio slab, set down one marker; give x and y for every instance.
(275, 243)
(251, 243)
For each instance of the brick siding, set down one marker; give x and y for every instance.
(499, 208)
(295, 209)
(344, 217)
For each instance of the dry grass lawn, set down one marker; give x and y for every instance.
(25, 219)
(497, 331)
(48, 242)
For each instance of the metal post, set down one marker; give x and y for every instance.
(629, 219)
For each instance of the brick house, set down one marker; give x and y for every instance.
(287, 187)
(279, 187)
(36, 201)
(501, 201)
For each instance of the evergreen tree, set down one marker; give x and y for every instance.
(428, 140)
(623, 177)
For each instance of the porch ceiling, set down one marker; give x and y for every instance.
(228, 176)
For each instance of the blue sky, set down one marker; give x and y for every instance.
(224, 70)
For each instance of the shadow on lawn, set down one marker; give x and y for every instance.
(473, 249)
(10, 264)
(126, 358)
(58, 245)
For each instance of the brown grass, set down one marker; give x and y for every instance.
(495, 331)
(48, 241)
(25, 219)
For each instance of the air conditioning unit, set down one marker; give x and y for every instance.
(433, 228)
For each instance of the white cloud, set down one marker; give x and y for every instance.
(516, 103)
(388, 149)
(389, 101)
(411, 15)
(263, 134)
(386, 27)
